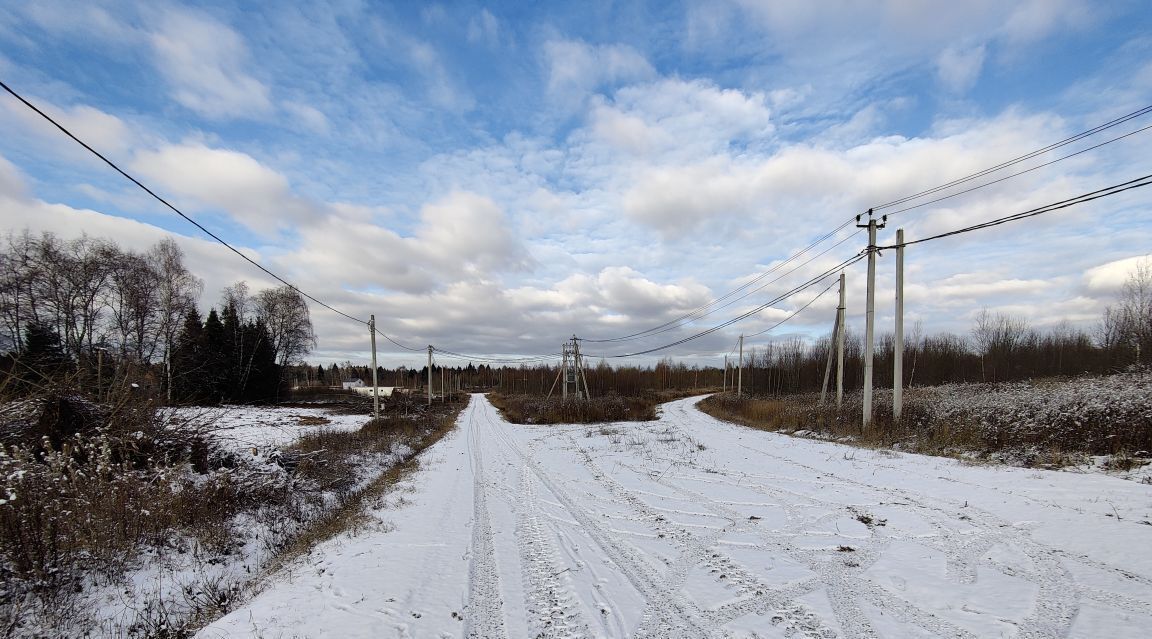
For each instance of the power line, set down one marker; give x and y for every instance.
(796, 312)
(743, 316)
(1019, 173)
(1055, 206)
(691, 317)
(209, 233)
(170, 206)
(407, 348)
(1027, 156)
(498, 360)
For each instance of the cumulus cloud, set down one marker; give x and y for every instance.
(1107, 279)
(459, 237)
(204, 63)
(251, 193)
(103, 131)
(12, 184)
(674, 117)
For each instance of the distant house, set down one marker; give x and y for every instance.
(384, 391)
(349, 384)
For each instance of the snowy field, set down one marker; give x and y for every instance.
(690, 527)
(242, 427)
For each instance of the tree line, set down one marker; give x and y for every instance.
(108, 318)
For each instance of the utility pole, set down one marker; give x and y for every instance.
(740, 375)
(828, 363)
(564, 372)
(898, 350)
(725, 377)
(443, 388)
(375, 384)
(870, 311)
(578, 360)
(429, 376)
(840, 346)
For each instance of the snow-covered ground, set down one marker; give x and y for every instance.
(690, 527)
(262, 427)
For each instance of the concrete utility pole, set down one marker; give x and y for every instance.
(740, 375)
(870, 311)
(429, 376)
(840, 346)
(725, 383)
(898, 350)
(375, 382)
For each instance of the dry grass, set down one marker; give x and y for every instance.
(86, 490)
(534, 409)
(1052, 423)
(417, 433)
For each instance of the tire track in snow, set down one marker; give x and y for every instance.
(669, 615)
(703, 550)
(485, 617)
(551, 609)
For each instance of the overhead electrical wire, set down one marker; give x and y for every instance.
(796, 312)
(1055, 206)
(173, 208)
(688, 318)
(1019, 173)
(1027, 156)
(809, 283)
(188, 218)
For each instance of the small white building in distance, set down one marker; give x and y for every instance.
(351, 383)
(384, 391)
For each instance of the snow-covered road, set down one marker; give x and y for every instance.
(690, 527)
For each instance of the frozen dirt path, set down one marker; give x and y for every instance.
(689, 527)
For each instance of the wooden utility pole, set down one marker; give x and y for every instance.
(375, 382)
(578, 361)
(740, 375)
(429, 376)
(725, 377)
(898, 345)
(840, 346)
(870, 311)
(564, 372)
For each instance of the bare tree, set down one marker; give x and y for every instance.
(285, 314)
(177, 292)
(1127, 326)
(998, 338)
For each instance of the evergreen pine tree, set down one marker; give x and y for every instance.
(216, 349)
(188, 361)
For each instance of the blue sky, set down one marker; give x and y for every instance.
(494, 177)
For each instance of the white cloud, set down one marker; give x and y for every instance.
(576, 68)
(1033, 20)
(204, 62)
(959, 68)
(309, 117)
(105, 132)
(1107, 279)
(251, 193)
(483, 28)
(462, 236)
(12, 185)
